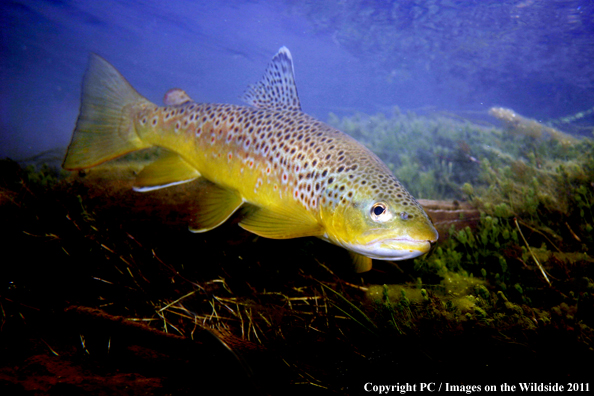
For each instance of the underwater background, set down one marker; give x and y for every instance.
(483, 110)
(368, 56)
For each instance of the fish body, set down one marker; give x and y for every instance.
(301, 176)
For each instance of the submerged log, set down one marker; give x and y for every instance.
(519, 125)
(447, 213)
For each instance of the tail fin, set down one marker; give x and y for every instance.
(105, 126)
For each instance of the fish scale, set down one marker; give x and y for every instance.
(295, 154)
(303, 177)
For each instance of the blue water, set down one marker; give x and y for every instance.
(536, 57)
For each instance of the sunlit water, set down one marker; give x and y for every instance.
(532, 56)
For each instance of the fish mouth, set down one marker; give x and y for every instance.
(395, 249)
(403, 248)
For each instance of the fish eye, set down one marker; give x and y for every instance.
(379, 212)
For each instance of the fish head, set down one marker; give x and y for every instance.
(380, 224)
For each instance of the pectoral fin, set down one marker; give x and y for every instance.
(168, 170)
(281, 224)
(361, 263)
(215, 205)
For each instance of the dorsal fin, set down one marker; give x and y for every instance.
(176, 96)
(276, 90)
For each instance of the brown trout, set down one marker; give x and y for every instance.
(301, 176)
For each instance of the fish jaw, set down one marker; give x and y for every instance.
(395, 249)
(398, 249)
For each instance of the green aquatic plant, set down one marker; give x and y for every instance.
(584, 200)
(431, 156)
(44, 175)
(504, 174)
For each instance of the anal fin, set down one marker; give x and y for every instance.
(168, 170)
(214, 206)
